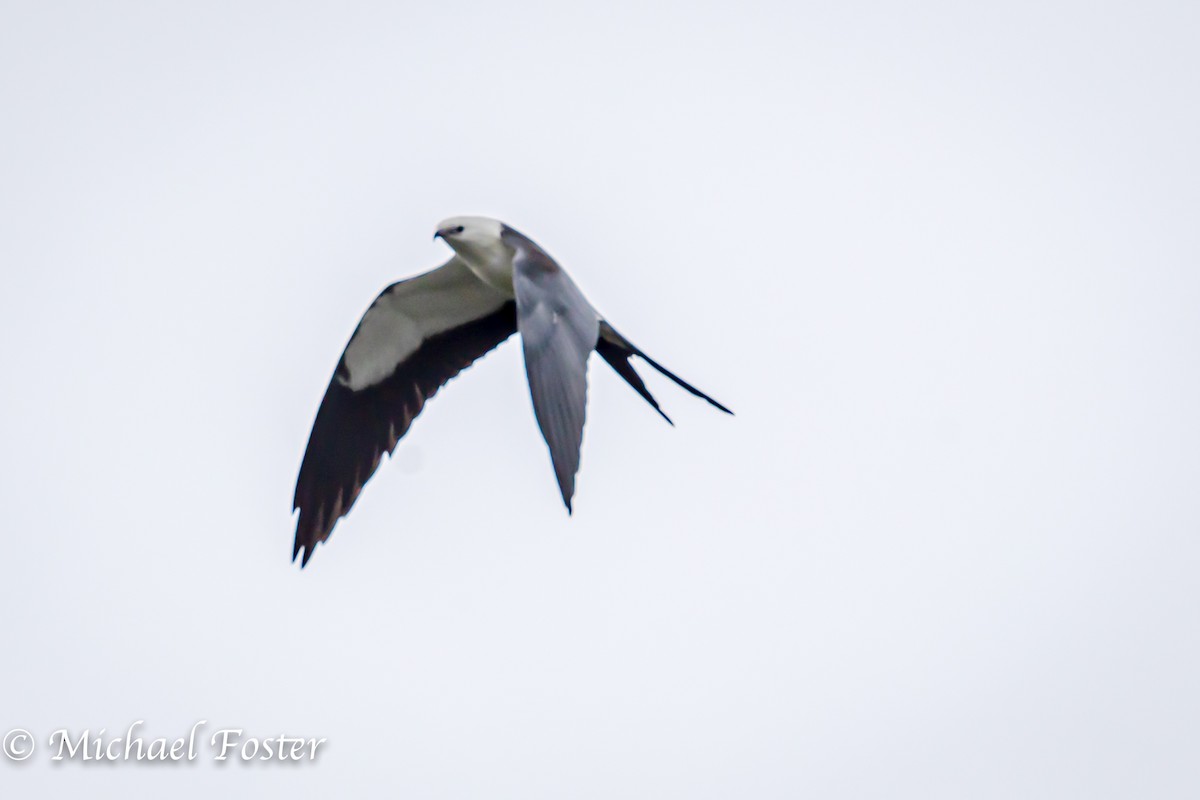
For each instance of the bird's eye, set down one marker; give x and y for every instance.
(459, 229)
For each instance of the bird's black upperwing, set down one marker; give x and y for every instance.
(417, 335)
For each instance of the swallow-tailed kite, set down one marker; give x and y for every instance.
(421, 332)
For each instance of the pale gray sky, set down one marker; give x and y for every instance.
(941, 259)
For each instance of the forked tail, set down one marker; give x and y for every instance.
(617, 350)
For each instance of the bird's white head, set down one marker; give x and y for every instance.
(478, 241)
(470, 234)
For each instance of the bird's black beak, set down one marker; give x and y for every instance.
(443, 233)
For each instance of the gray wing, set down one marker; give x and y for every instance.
(559, 329)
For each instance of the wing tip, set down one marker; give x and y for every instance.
(308, 553)
(309, 534)
(302, 549)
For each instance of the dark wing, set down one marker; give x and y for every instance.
(417, 335)
(559, 329)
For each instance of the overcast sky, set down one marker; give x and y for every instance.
(942, 260)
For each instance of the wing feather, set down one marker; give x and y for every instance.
(416, 336)
(559, 330)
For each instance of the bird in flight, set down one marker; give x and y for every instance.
(421, 332)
